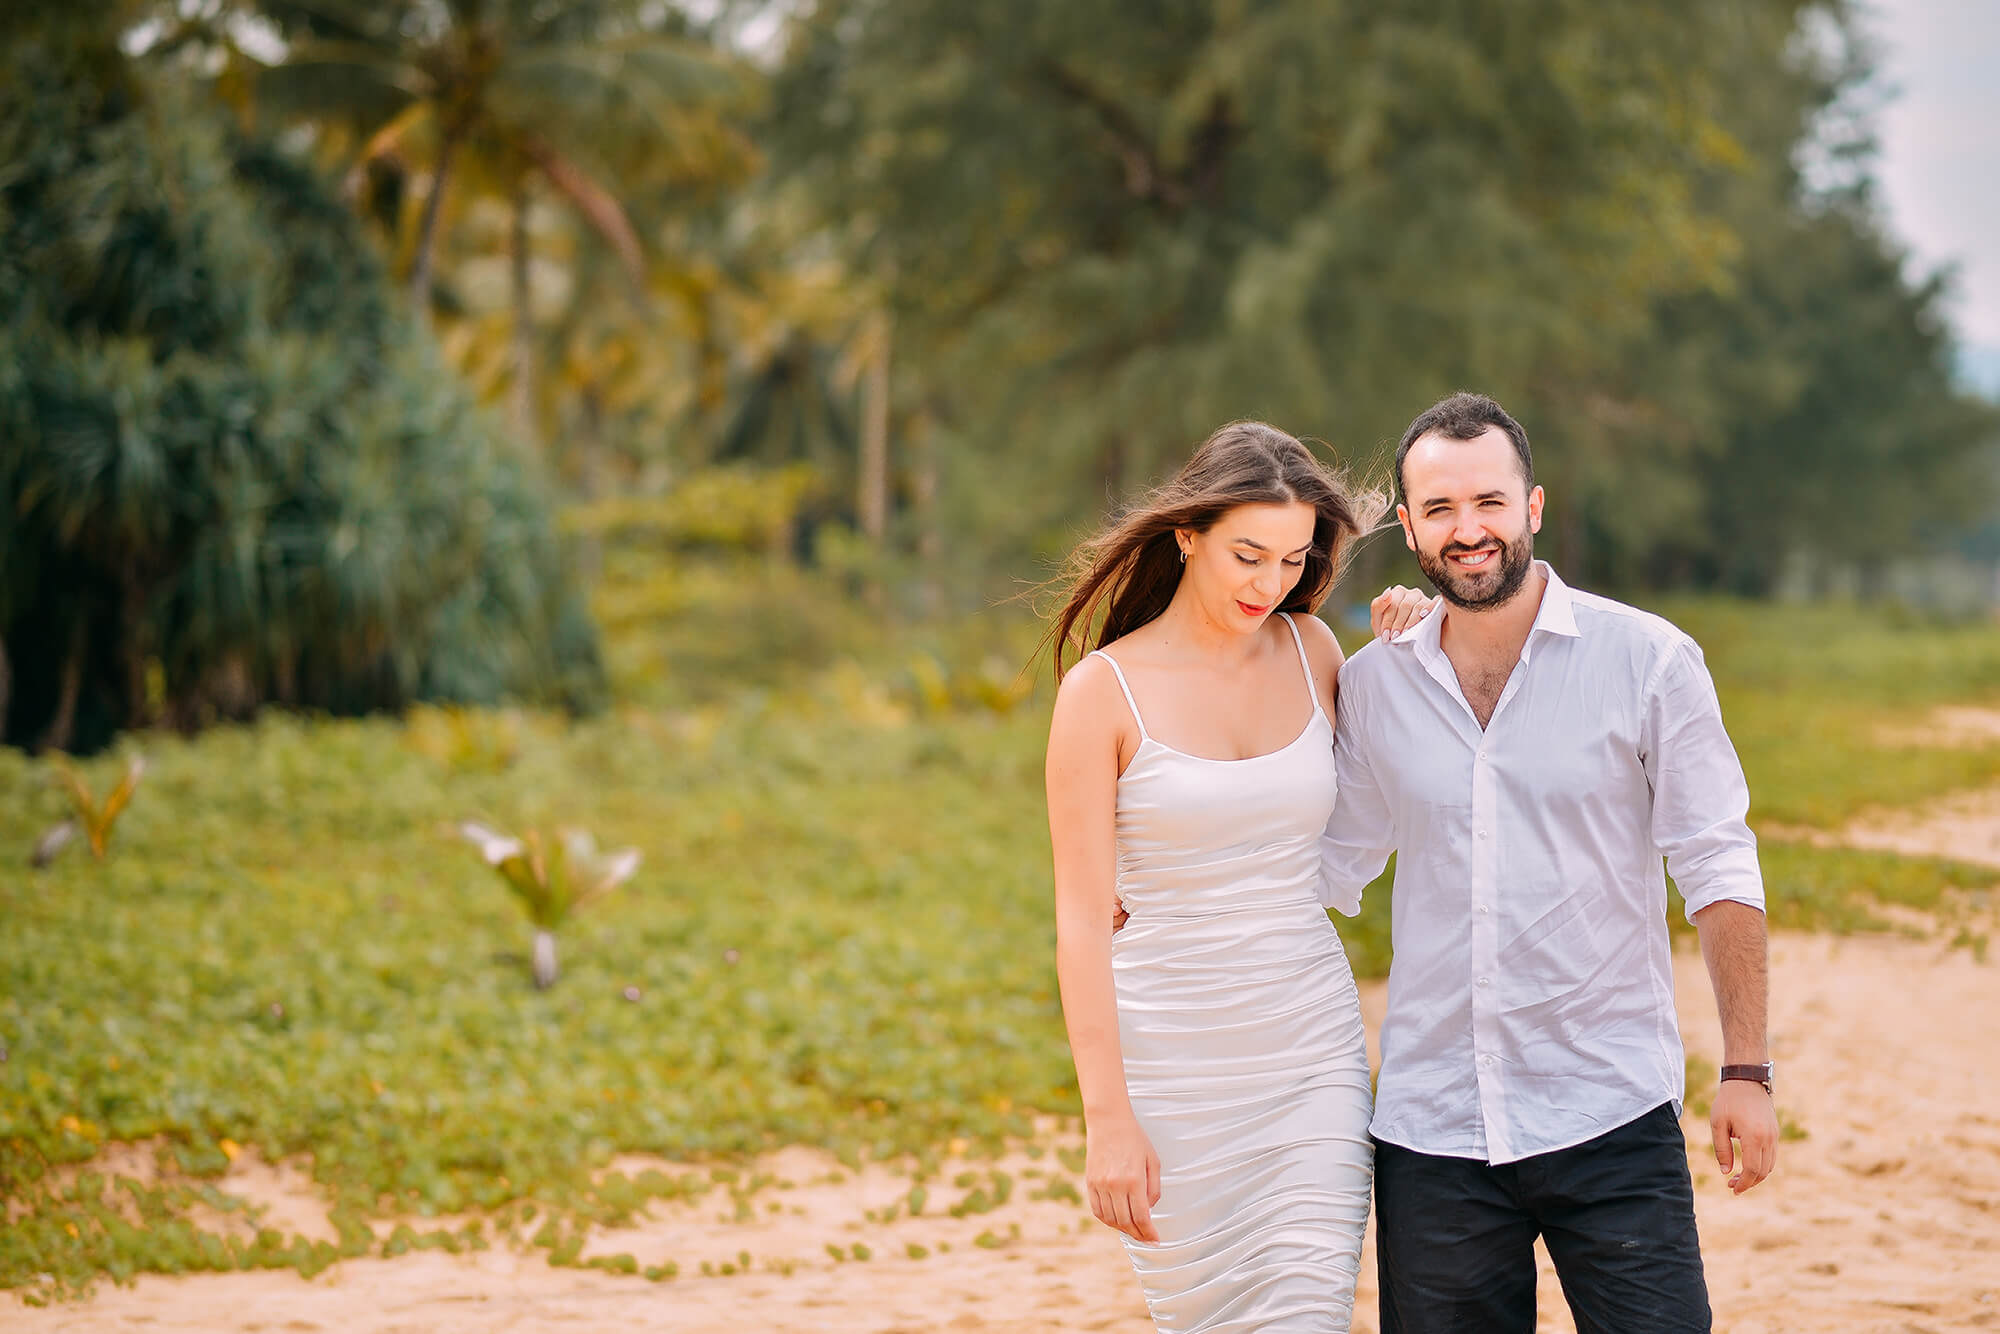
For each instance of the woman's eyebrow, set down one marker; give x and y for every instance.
(1251, 542)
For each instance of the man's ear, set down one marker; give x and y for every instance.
(1535, 499)
(1409, 533)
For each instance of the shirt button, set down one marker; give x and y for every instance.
(1483, 910)
(1482, 833)
(1485, 981)
(1486, 1060)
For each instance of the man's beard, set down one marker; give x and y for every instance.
(1487, 589)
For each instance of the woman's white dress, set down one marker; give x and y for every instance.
(1242, 1037)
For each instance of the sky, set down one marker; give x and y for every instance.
(1939, 168)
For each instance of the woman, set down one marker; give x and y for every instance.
(1217, 1037)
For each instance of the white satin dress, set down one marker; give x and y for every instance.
(1242, 1037)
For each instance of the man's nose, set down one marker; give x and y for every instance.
(1468, 529)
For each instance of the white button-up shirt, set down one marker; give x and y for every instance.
(1531, 996)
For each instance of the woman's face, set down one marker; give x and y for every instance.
(1248, 562)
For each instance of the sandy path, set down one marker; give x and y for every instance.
(1886, 1218)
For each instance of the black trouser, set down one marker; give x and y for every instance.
(1456, 1245)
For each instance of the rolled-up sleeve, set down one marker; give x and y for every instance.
(1700, 798)
(1360, 834)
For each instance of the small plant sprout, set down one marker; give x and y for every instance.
(92, 819)
(552, 878)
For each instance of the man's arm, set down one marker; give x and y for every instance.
(1699, 803)
(1732, 942)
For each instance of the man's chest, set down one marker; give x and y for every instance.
(1547, 742)
(1482, 684)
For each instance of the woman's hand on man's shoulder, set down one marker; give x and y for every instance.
(1397, 609)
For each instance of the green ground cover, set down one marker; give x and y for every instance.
(840, 934)
(1809, 692)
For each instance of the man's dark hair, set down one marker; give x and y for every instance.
(1464, 417)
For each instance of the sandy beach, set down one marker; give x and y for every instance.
(1885, 1217)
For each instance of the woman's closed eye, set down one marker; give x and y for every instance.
(1254, 561)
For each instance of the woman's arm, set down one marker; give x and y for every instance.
(1396, 609)
(1324, 655)
(1121, 1169)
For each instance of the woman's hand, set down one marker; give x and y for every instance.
(1122, 1174)
(1395, 610)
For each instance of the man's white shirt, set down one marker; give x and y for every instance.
(1531, 994)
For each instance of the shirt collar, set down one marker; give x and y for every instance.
(1558, 610)
(1556, 615)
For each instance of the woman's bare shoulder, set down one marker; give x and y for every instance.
(1088, 690)
(1090, 717)
(1322, 648)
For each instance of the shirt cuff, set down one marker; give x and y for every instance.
(1343, 899)
(1735, 878)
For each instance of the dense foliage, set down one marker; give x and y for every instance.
(1109, 227)
(971, 274)
(233, 473)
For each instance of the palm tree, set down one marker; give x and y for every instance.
(512, 93)
(231, 473)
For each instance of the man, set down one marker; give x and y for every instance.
(1530, 752)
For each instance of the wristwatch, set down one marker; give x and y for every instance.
(1756, 1074)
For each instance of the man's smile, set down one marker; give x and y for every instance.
(1474, 560)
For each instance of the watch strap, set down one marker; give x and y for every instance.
(1755, 1074)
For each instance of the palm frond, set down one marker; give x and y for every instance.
(597, 205)
(388, 142)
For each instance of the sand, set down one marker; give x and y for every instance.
(1884, 1218)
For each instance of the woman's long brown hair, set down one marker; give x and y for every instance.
(1128, 572)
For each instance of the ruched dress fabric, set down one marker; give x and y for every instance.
(1242, 1038)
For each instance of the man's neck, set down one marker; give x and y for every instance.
(1494, 634)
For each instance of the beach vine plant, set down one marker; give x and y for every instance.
(88, 816)
(552, 878)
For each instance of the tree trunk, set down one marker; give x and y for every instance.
(62, 725)
(1111, 464)
(544, 959)
(420, 264)
(6, 679)
(132, 647)
(523, 393)
(590, 433)
(1360, 581)
(1570, 546)
(872, 503)
(923, 498)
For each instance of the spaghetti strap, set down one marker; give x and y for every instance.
(1312, 686)
(1131, 703)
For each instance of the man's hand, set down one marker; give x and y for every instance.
(1118, 915)
(1743, 1112)
(1395, 610)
